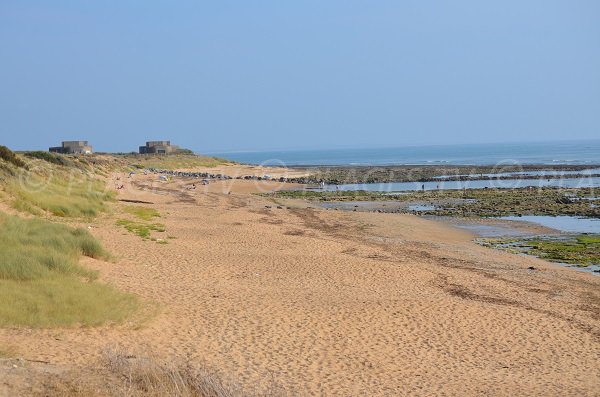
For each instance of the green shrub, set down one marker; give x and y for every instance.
(47, 156)
(7, 155)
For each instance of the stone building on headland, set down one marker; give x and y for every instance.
(72, 147)
(158, 147)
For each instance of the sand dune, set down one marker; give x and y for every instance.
(332, 303)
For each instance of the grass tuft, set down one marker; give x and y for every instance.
(60, 300)
(133, 374)
(32, 249)
(42, 283)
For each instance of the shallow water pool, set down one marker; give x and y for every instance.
(567, 224)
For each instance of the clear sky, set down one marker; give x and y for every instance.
(251, 75)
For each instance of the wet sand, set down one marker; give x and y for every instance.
(333, 303)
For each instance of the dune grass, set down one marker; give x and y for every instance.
(34, 249)
(141, 373)
(171, 162)
(64, 186)
(60, 194)
(42, 283)
(49, 157)
(62, 301)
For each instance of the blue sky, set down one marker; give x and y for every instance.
(252, 75)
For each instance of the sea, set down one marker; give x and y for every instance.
(561, 152)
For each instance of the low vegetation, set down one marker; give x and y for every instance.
(49, 157)
(142, 226)
(141, 229)
(80, 196)
(42, 283)
(64, 191)
(582, 250)
(171, 162)
(475, 202)
(10, 157)
(143, 213)
(35, 248)
(121, 373)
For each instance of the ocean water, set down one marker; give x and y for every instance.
(564, 152)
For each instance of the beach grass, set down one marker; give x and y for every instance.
(43, 285)
(60, 195)
(59, 185)
(176, 161)
(49, 157)
(61, 301)
(141, 372)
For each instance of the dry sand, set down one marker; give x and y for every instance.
(334, 303)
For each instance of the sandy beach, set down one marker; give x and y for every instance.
(330, 303)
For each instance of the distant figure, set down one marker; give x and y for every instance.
(423, 187)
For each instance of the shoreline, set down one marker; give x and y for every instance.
(324, 302)
(344, 174)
